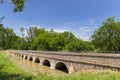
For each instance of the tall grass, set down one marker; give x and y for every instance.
(10, 71)
(90, 75)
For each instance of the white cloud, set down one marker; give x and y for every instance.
(60, 30)
(85, 32)
(91, 22)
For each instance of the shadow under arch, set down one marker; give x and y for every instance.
(61, 66)
(46, 62)
(26, 57)
(31, 59)
(19, 55)
(37, 60)
(22, 56)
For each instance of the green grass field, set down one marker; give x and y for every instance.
(10, 71)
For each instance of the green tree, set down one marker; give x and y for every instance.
(22, 31)
(22, 44)
(41, 42)
(1, 36)
(66, 38)
(7, 37)
(107, 36)
(1, 19)
(79, 45)
(32, 33)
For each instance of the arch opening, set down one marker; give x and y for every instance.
(37, 60)
(19, 55)
(26, 57)
(46, 63)
(61, 66)
(22, 56)
(30, 59)
(15, 54)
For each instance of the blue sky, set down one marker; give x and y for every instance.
(81, 17)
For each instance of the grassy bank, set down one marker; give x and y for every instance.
(10, 71)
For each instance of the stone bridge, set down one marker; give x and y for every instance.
(70, 62)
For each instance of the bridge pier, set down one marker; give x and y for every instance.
(52, 65)
(24, 57)
(28, 58)
(17, 55)
(20, 56)
(71, 69)
(33, 59)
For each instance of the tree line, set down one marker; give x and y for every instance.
(35, 38)
(106, 38)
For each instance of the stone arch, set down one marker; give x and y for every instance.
(46, 62)
(37, 60)
(22, 56)
(61, 66)
(26, 57)
(30, 58)
(15, 54)
(19, 55)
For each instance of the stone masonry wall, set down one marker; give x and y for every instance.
(82, 60)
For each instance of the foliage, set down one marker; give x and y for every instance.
(18, 4)
(40, 39)
(80, 46)
(107, 37)
(19, 44)
(53, 41)
(7, 37)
